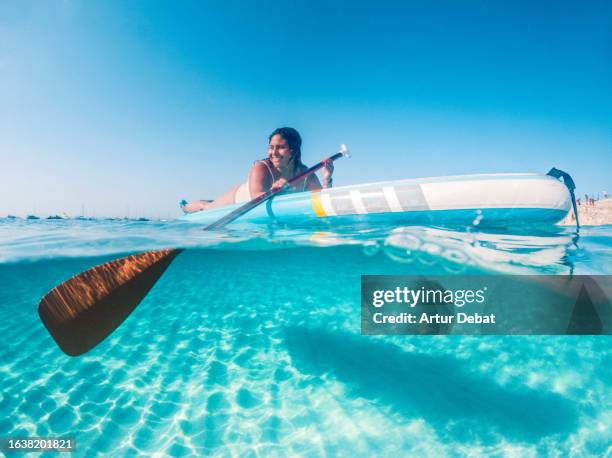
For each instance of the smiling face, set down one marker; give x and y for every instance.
(279, 152)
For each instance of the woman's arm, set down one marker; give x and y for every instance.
(313, 183)
(259, 180)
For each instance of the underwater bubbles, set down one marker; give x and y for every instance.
(454, 260)
(429, 253)
(371, 248)
(401, 245)
(478, 218)
(430, 247)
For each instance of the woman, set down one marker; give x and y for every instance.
(284, 162)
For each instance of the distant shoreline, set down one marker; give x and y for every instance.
(597, 214)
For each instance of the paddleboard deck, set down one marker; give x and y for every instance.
(486, 200)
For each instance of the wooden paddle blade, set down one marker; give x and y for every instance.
(83, 311)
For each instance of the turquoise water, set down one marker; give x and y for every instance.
(250, 345)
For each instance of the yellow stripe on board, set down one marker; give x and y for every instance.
(317, 205)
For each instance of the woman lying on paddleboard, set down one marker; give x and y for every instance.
(283, 163)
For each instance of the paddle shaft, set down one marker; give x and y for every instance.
(267, 195)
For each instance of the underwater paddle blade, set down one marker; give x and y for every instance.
(84, 310)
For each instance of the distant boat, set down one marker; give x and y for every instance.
(143, 219)
(32, 217)
(11, 217)
(60, 216)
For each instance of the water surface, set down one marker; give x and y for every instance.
(250, 344)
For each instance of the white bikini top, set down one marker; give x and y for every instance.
(272, 175)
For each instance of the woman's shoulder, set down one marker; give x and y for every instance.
(261, 165)
(260, 168)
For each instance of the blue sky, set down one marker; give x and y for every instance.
(131, 106)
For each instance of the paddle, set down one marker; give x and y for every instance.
(82, 311)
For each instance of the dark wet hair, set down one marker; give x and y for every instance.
(294, 140)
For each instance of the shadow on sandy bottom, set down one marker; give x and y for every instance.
(440, 389)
